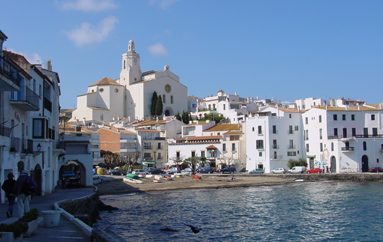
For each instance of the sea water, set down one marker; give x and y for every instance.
(302, 211)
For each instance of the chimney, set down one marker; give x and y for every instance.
(49, 65)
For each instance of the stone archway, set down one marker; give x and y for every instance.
(365, 163)
(168, 112)
(77, 167)
(333, 164)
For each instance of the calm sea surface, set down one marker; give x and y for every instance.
(320, 211)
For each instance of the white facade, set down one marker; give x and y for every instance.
(344, 139)
(131, 94)
(273, 136)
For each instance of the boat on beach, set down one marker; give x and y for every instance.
(131, 175)
(131, 180)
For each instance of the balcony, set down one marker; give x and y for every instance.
(147, 147)
(47, 104)
(347, 149)
(9, 75)
(15, 145)
(291, 147)
(277, 157)
(25, 99)
(128, 140)
(5, 131)
(27, 146)
(275, 147)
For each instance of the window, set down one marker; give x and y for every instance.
(193, 153)
(321, 147)
(343, 116)
(159, 157)
(365, 132)
(344, 132)
(353, 131)
(374, 131)
(335, 132)
(289, 115)
(101, 89)
(163, 98)
(352, 116)
(275, 155)
(306, 135)
(233, 146)
(335, 117)
(259, 129)
(224, 107)
(40, 128)
(296, 128)
(260, 154)
(252, 129)
(290, 129)
(307, 120)
(291, 144)
(168, 88)
(223, 147)
(259, 144)
(320, 133)
(159, 146)
(234, 137)
(364, 145)
(203, 153)
(307, 148)
(372, 116)
(320, 118)
(274, 129)
(291, 153)
(147, 145)
(171, 99)
(275, 146)
(178, 155)
(147, 155)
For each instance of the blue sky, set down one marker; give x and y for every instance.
(268, 49)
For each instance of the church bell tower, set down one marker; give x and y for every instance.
(130, 70)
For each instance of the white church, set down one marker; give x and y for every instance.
(130, 96)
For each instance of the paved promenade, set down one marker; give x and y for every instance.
(66, 231)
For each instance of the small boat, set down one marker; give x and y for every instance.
(157, 180)
(141, 175)
(299, 180)
(131, 175)
(131, 180)
(195, 176)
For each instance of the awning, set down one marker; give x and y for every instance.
(310, 156)
(149, 162)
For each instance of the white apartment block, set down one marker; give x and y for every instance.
(345, 139)
(273, 136)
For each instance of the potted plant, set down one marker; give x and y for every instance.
(31, 219)
(13, 232)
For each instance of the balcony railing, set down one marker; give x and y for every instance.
(25, 99)
(345, 149)
(356, 136)
(275, 146)
(5, 131)
(147, 147)
(10, 76)
(291, 147)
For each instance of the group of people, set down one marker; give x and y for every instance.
(16, 190)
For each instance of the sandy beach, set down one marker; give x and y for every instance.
(118, 186)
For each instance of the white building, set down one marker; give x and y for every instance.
(273, 136)
(131, 94)
(344, 139)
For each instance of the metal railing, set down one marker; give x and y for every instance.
(347, 149)
(8, 69)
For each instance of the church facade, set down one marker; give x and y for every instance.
(130, 96)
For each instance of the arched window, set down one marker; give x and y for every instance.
(163, 98)
(171, 99)
(364, 145)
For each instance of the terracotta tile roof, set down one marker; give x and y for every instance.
(199, 122)
(105, 81)
(211, 147)
(224, 127)
(349, 109)
(193, 138)
(234, 132)
(153, 122)
(148, 130)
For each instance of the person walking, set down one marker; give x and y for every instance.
(8, 186)
(22, 194)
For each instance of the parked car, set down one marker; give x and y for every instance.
(157, 171)
(186, 171)
(316, 170)
(278, 171)
(115, 173)
(257, 171)
(227, 170)
(205, 170)
(173, 170)
(140, 171)
(297, 169)
(376, 169)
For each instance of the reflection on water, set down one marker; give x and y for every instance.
(321, 211)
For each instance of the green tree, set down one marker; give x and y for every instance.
(301, 162)
(178, 116)
(214, 117)
(153, 106)
(185, 117)
(159, 106)
(193, 161)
